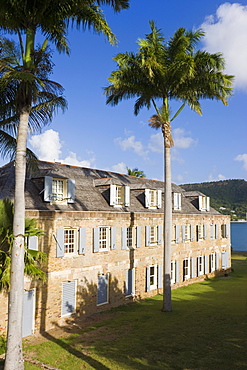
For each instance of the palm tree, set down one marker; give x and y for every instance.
(33, 259)
(28, 101)
(135, 172)
(52, 18)
(161, 72)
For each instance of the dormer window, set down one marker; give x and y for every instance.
(204, 203)
(177, 201)
(153, 198)
(59, 190)
(119, 195)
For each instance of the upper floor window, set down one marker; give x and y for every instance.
(177, 201)
(153, 235)
(104, 238)
(70, 241)
(119, 195)
(153, 198)
(59, 189)
(204, 203)
(225, 230)
(131, 237)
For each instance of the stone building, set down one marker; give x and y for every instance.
(103, 237)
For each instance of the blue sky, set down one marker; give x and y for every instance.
(91, 134)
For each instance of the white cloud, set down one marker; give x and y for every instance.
(181, 139)
(131, 143)
(48, 146)
(226, 32)
(213, 177)
(120, 167)
(156, 143)
(242, 158)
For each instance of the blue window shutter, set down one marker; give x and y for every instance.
(71, 191)
(211, 231)
(60, 242)
(206, 264)
(138, 236)
(102, 294)
(48, 189)
(200, 202)
(216, 231)
(208, 204)
(193, 272)
(82, 240)
(147, 198)
(148, 279)
(69, 298)
(124, 237)
(129, 282)
(223, 260)
(227, 259)
(159, 198)
(113, 237)
(177, 272)
(127, 196)
(192, 233)
(204, 231)
(198, 265)
(227, 230)
(159, 234)
(217, 261)
(33, 242)
(183, 233)
(177, 233)
(96, 239)
(147, 228)
(160, 275)
(112, 195)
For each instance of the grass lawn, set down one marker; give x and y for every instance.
(207, 329)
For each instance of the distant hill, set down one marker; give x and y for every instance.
(227, 196)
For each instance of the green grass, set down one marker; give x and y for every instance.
(207, 329)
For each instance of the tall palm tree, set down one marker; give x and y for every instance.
(52, 18)
(28, 100)
(160, 72)
(135, 172)
(33, 259)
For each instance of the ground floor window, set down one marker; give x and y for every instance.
(102, 290)
(212, 262)
(200, 266)
(68, 297)
(130, 282)
(186, 269)
(154, 277)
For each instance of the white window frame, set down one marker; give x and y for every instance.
(186, 269)
(119, 195)
(173, 272)
(204, 203)
(130, 237)
(153, 198)
(104, 238)
(199, 234)
(177, 201)
(59, 189)
(154, 277)
(212, 262)
(200, 265)
(67, 244)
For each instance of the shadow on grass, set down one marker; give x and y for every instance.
(206, 330)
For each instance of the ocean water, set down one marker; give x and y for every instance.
(239, 236)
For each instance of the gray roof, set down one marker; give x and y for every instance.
(92, 189)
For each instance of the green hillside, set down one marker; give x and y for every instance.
(228, 194)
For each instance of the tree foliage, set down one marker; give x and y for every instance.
(33, 259)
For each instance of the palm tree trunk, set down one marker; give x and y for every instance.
(14, 358)
(167, 303)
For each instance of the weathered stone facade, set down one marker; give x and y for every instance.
(101, 255)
